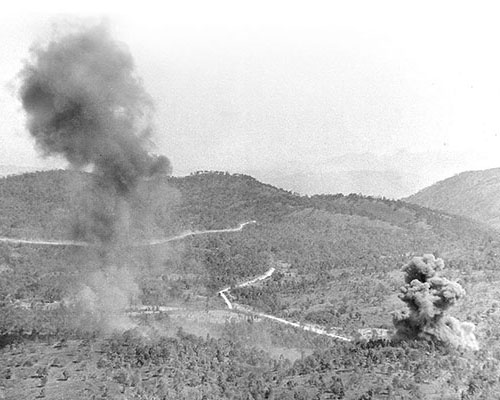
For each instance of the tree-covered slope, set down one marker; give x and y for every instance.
(359, 239)
(337, 262)
(47, 204)
(473, 194)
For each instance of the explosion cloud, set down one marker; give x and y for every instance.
(85, 102)
(428, 297)
(105, 297)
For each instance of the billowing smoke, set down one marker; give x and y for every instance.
(85, 102)
(103, 299)
(428, 297)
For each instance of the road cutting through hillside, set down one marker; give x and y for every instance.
(225, 294)
(152, 242)
(193, 233)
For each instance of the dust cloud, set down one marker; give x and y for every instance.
(428, 297)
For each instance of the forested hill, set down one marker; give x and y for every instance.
(337, 261)
(474, 194)
(45, 205)
(48, 201)
(217, 199)
(314, 234)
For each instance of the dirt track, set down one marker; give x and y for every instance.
(151, 242)
(193, 233)
(224, 293)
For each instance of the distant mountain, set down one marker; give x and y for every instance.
(473, 194)
(394, 175)
(387, 183)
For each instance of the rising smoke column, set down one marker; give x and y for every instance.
(428, 297)
(84, 102)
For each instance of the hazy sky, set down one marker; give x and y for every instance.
(268, 85)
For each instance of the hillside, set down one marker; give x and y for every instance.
(311, 233)
(46, 204)
(473, 194)
(337, 258)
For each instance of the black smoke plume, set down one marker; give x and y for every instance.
(428, 297)
(84, 102)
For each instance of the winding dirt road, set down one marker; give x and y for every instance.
(225, 293)
(152, 242)
(193, 233)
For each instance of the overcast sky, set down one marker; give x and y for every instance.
(267, 85)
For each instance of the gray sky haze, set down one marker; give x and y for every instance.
(287, 88)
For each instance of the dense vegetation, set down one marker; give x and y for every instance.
(474, 194)
(337, 261)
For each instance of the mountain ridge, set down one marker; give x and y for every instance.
(205, 200)
(473, 194)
